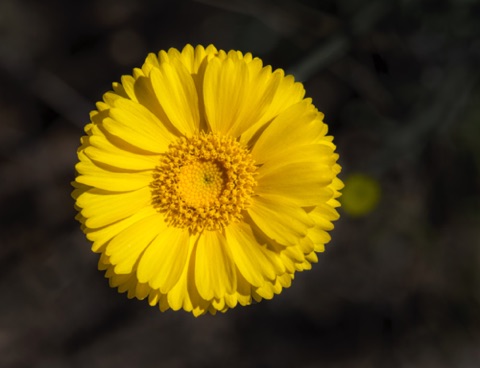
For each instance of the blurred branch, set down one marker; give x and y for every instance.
(448, 104)
(293, 20)
(62, 98)
(365, 82)
(330, 51)
(46, 86)
(338, 45)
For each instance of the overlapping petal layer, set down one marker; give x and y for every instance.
(277, 174)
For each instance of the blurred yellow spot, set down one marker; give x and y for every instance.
(360, 195)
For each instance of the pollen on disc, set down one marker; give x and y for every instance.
(200, 183)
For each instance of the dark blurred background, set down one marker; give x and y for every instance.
(399, 284)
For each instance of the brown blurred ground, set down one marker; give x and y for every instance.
(398, 82)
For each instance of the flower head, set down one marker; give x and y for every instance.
(206, 180)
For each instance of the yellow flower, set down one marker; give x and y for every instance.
(361, 195)
(206, 180)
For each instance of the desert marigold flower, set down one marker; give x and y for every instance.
(206, 180)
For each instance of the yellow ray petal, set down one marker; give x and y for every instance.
(287, 94)
(100, 138)
(125, 249)
(142, 291)
(214, 270)
(176, 92)
(299, 125)
(316, 152)
(115, 280)
(114, 181)
(312, 257)
(243, 294)
(306, 245)
(179, 297)
(164, 260)
(119, 158)
(119, 90)
(109, 98)
(303, 183)
(153, 297)
(146, 96)
(318, 236)
(224, 92)
(231, 301)
(187, 57)
(266, 291)
(101, 236)
(151, 61)
(247, 254)
(261, 88)
(101, 208)
(325, 211)
(295, 254)
(193, 58)
(279, 219)
(128, 83)
(138, 126)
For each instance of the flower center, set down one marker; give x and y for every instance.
(200, 183)
(203, 182)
